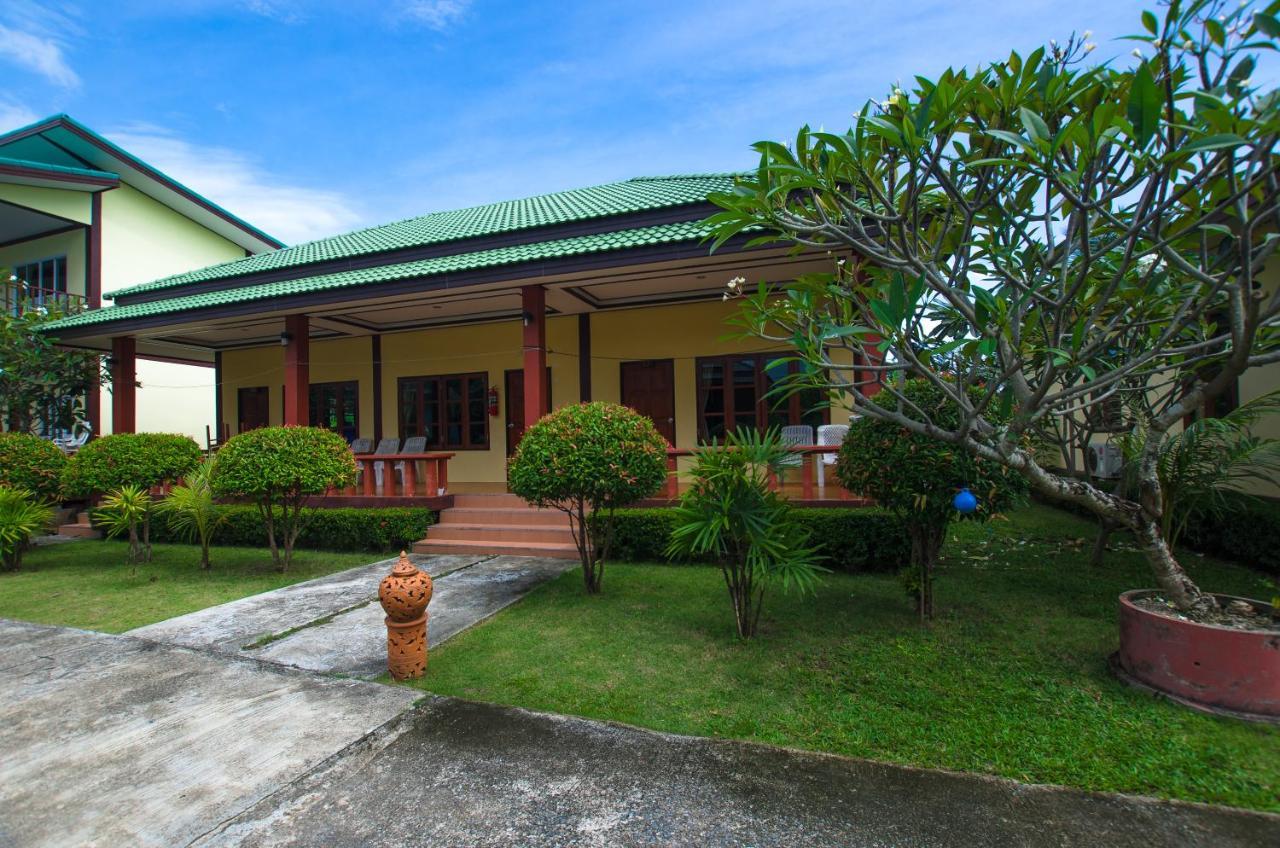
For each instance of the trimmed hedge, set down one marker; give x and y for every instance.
(865, 539)
(32, 463)
(1248, 533)
(382, 530)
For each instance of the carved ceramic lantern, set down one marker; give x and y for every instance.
(404, 594)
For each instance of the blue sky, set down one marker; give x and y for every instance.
(311, 118)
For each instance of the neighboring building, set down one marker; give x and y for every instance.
(433, 326)
(80, 218)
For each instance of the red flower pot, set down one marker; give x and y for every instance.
(1222, 670)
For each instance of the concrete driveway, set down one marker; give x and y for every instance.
(112, 741)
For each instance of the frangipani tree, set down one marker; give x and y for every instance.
(1037, 237)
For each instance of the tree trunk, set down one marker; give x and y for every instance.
(269, 521)
(926, 543)
(146, 537)
(1142, 518)
(1105, 529)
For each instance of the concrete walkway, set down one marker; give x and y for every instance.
(334, 624)
(112, 741)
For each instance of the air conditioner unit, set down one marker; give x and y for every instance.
(1105, 460)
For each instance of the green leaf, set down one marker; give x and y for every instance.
(1149, 21)
(1266, 24)
(1215, 142)
(1035, 125)
(1144, 105)
(1217, 33)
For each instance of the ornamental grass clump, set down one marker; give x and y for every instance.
(22, 516)
(191, 511)
(730, 514)
(125, 510)
(588, 460)
(277, 469)
(917, 478)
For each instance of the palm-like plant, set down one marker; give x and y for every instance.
(21, 517)
(191, 510)
(123, 511)
(1208, 459)
(730, 513)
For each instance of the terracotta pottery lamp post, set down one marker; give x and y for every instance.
(404, 595)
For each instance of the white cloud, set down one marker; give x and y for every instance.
(39, 55)
(14, 114)
(284, 12)
(436, 14)
(291, 213)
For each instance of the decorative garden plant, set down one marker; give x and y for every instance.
(917, 477)
(730, 514)
(191, 509)
(121, 462)
(22, 515)
(278, 469)
(1036, 237)
(588, 460)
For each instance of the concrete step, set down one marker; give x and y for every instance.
(80, 528)
(489, 501)
(477, 515)
(500, 533)
(530, 549)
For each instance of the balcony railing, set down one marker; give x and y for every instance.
(434, 475)
(20, 297)
(808, 487)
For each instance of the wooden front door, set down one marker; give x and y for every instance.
(254, 408)
(514, 392)
(649, 388)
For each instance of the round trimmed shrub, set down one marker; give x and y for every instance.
(589, 458)
(129, 459)
(278, 468)
(31, 463)
(916, 477)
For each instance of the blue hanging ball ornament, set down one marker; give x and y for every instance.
(965, 502)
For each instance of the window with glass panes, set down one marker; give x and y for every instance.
(336, 407)
(451, 411)
(44, 276)
(733, 392)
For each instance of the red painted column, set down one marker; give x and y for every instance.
(124, 384)
(533, 300)
(297, 376)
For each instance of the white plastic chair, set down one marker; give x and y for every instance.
(829, 435)
(796, 434)
(386, 447)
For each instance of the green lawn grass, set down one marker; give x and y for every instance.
(1010, 680)
(87, 584)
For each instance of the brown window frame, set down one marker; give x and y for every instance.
(441, 403)
(339, 386)
(759, 413)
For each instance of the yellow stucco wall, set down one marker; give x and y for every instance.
(681, 333)
(73, 205)
(143, 240)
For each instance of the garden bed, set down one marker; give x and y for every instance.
(1012, 679)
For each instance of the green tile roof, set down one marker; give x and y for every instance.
(574, 246)
(57, 169)
(640, 194)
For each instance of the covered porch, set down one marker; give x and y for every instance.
(432, 379)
